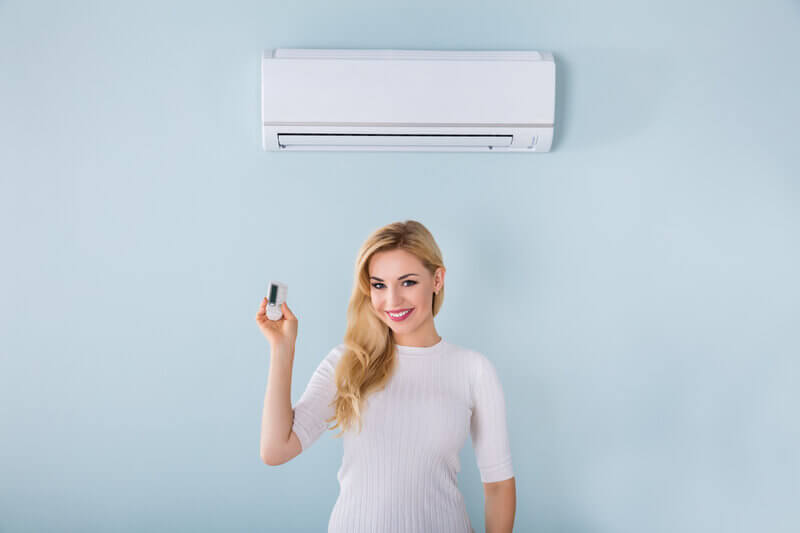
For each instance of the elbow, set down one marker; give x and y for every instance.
(270, 460)
(277, 454)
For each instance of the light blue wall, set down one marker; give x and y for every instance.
(642, 276)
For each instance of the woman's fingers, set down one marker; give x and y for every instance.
(287, 312)
(261, 315)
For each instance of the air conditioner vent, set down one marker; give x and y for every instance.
(394, 139)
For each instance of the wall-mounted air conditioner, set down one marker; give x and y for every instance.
(408, 100)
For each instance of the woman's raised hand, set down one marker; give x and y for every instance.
(280, 333)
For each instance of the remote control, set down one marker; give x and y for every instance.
(277, 295)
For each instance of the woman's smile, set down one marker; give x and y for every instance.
(400, 314)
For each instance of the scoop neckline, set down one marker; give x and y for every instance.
(420, 350)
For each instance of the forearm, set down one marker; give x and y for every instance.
(499, 509)
(277, 416)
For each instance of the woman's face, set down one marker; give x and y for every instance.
(400, 284)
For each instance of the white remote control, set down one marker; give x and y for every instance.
(276, 295)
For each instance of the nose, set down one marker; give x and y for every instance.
(393, 300)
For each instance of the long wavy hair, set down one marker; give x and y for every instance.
(368, 361)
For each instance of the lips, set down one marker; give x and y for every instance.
(400, 318)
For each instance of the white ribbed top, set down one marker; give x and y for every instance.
(400, 473)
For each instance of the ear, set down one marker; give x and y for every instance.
(438, 279)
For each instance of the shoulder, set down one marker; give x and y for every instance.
(476, 362)
(481, 371)
(336, 353)
(328, 363)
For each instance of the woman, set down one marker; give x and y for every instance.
(404, 398)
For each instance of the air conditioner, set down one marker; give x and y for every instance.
(422, 100)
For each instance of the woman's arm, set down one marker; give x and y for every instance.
(278, 441)
(276, 421)
(500, 506)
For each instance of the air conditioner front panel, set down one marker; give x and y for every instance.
(408, 90)
(422, 93)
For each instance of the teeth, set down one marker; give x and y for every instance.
(398, 315)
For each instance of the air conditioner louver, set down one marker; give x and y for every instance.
(286, 140)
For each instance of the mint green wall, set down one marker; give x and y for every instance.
(643, 282)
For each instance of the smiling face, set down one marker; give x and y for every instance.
(402, 295)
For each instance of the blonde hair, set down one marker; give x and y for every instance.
(368, 361)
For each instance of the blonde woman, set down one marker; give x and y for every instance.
(403, 397)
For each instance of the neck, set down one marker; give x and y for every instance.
(423, 336)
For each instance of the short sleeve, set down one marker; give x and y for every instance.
(314, 406)
(488, 428)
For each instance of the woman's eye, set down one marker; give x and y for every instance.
(411, 281)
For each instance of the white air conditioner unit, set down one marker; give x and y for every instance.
(408, 100)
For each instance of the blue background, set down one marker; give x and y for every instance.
(636, 288)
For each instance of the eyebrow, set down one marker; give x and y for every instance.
(401, 277)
